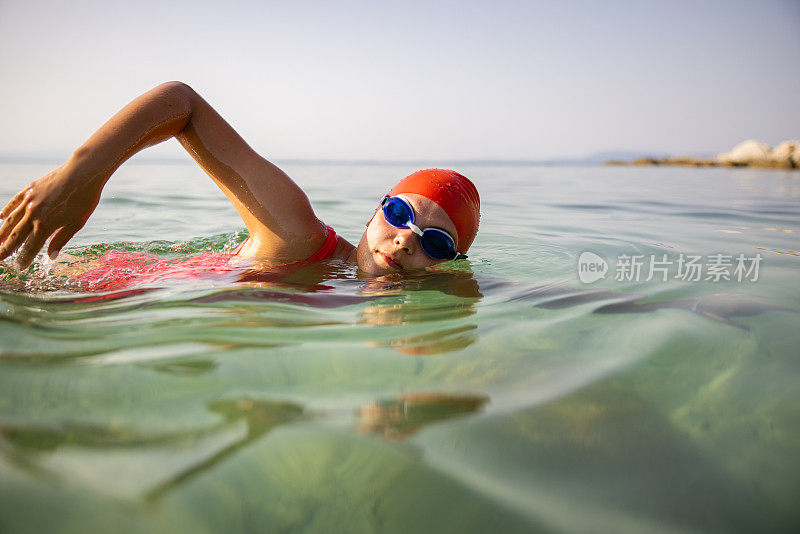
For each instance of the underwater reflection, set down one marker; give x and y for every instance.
(260, 417)
(458, 297)
(406, 414)
(437, 342)
(455, 283)
(30, 447)
(157, 463)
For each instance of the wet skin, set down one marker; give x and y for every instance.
(386, 249)
(282, 224)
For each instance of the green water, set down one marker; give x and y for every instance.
(500, 395)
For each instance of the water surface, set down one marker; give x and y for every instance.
(499, 394)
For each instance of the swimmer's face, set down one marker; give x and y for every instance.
(387, 249)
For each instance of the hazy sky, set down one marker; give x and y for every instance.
(413, 80)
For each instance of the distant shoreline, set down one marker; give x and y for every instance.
(697, 162)
(785, 156)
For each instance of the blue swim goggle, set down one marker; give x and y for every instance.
(436, 243)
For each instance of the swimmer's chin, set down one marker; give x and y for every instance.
(372, 264)
(377, 270)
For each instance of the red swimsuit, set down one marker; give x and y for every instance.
(123, 269)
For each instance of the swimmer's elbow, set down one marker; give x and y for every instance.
(177, 89)
(178, 96)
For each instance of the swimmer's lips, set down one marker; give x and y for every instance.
(390, 261)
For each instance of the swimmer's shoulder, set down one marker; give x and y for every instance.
(344, 250)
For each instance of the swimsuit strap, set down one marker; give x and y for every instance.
(240, 247)
(327, 248)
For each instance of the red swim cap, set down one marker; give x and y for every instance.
(455, 193)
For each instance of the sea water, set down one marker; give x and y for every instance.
(618, 354)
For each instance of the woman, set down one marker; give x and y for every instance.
(428, 217)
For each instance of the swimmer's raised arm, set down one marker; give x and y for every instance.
(275, 210)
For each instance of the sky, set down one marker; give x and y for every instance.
(468, 80)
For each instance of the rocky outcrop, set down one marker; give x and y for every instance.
(755, 154)
(747, 154)
(787, 151)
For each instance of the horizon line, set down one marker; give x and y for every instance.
(592, 159)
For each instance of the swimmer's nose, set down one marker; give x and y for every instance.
(404, 240)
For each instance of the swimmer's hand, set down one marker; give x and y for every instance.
(57, 205)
